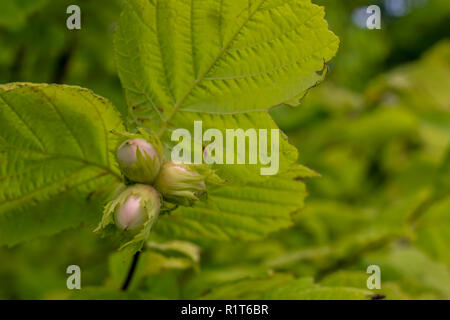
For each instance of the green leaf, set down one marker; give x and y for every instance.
(331, 293)
(184, 248)
(219, 56)
(239, 211)
(304, 289)
(248, 206)
(209, 278)
(433, 231)
(56, 160)
(358, 279)
(418, 275)
(247, 289)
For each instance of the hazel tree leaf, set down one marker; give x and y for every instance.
(433, 231)
(248, 205)
(319, 293)
(420, 275)
(389, 290)
(219, 56)
(252, 288)
(56, 160)
(281, 286)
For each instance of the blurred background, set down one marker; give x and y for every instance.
(377, 130)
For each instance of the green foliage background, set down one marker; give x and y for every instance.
(377, 130)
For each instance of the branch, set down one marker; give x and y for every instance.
(131, 271)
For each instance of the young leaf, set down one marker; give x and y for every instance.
(219, 56)
(56, 161)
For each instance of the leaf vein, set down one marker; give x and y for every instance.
(213, 63)
(24, 122)
(63, 120)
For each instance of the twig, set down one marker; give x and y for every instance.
(131, 271)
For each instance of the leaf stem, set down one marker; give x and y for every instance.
(131, 271)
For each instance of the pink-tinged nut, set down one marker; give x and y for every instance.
(134, 210)
(130, 215)
(126, 154)
(139, 160)
(138, 203)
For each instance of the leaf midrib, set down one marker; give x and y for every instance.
(107, 167)
(67, 157)
(25, 197)
(207, 70)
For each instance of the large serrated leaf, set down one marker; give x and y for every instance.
(56, 161)
(248, 205)
(219, 56)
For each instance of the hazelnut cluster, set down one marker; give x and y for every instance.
(149, 181)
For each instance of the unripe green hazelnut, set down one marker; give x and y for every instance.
(177, 180)
(132, 208)
(136, 205)
(131, 214)
(139, 160)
